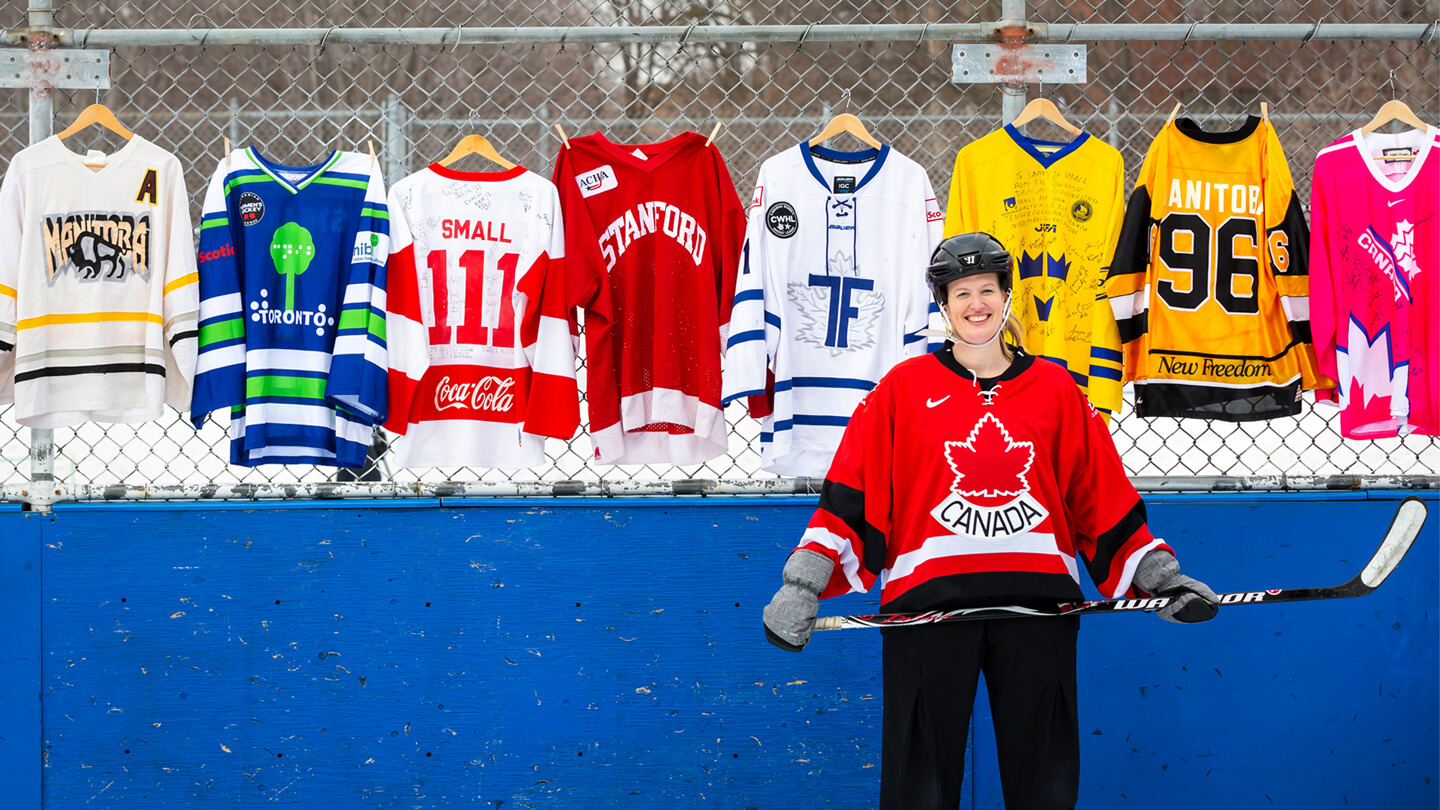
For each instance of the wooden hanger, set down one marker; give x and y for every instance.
(842, 123)
(475, 145)
(1173, 113)
(713, 133)
(1393, 110)
(97, 114)
(563, 139)
(1044, 108)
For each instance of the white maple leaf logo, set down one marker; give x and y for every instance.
(1404, 243)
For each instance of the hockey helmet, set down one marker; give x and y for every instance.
(964, 255)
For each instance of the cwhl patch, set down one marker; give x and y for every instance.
(990, 498)
(782, 220)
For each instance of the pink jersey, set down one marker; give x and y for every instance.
(1374, 295)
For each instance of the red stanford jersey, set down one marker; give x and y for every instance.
(653, 235)
(951, 503)
(482, 362)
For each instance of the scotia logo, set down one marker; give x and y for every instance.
(990, 498)
(596, 180)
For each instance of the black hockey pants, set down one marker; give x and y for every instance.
(931, 673)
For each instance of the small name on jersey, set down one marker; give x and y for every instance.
(473, 229)
(647, 218)
(1225, 198)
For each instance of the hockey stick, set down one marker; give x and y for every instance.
(1404, 528)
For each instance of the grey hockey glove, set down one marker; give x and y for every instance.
(1159, 575)
(790, 613)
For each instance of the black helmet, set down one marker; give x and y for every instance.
(966, 254)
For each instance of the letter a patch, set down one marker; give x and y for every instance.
(149, 188)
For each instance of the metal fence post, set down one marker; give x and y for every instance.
(394, 157)
(1012, 99)
(42, 125)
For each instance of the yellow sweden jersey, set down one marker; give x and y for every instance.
(1209, 283)
(1057, 207)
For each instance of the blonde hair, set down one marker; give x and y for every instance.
(1011, 337)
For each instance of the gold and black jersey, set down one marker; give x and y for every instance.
(1209, 281)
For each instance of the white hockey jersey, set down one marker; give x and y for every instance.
(482, 363)
(831, 294)
(98, 291)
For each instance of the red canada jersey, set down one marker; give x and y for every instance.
(950, 502)
(652, 244)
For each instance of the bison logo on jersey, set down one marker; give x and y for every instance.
(98, 246)
(990, 498)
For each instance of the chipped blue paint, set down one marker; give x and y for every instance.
(20, 647)
(521, 653)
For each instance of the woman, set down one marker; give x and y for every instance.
(978, 475)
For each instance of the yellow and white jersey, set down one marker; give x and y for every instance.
(1057, 207)
(1209, 282)
(98, 287)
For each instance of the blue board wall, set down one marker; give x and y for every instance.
(608, 654)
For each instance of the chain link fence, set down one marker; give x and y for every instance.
(300, 80)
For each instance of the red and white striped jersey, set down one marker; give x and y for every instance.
(949, 502)
(482, 359)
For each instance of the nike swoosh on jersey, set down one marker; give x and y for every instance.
(930, 403)
(1391, 203)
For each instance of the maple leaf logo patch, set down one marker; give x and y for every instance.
(990, 498)
(989, 463)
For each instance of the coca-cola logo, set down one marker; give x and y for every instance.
(487, 394)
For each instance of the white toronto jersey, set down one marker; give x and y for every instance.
(482, 359)
(98, 290)
(831, 294)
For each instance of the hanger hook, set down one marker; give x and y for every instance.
(845, 97)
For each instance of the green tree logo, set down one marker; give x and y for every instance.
(292, 249)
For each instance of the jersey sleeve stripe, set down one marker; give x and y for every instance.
(743, 394)
(181, 282)
(744, 337)
(1113, 539)
(552, 344)
(1121, 585)
(821, 539)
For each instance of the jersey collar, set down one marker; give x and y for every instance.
(811, 152)
(1018, 366)
(1032, 146)
(276, 170)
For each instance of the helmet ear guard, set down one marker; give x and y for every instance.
(964, 255)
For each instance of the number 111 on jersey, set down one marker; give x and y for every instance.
(467, 298)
